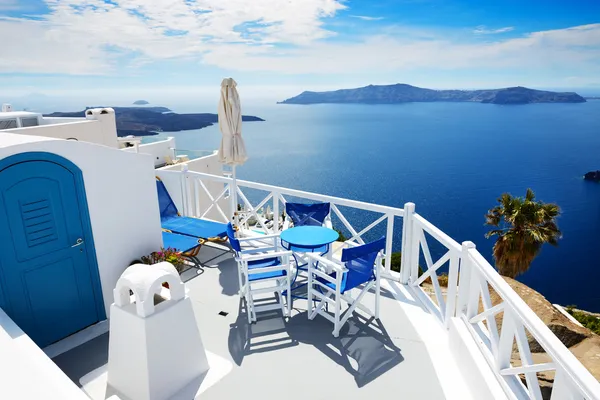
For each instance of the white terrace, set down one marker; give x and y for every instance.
(426, 345)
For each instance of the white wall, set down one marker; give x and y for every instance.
(26, 372)
(95, 128)
(84, 131)
(122, 201)
(473, 367)
(59, 120)
(158, 150)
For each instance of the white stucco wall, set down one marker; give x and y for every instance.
(26, 372)
(159, 151)
(96, 127)
(122, 202)
(471, 364)
(84, 131)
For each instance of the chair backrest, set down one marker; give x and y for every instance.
(235, 244)
(307, 214)
(165, 202)
(360, 261)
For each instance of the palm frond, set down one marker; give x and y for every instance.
(528, 224)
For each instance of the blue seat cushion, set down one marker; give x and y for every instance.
(356, 279)
(267, 262)
(194, 227)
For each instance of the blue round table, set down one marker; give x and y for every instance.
(306, 239)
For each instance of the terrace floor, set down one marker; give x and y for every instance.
(297, 358)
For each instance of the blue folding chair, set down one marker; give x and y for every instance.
(300, 214)
(330, 281)
(262, 264)
(172, 221)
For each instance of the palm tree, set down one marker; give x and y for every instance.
(523, 226)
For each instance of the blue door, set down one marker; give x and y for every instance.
(49, 281)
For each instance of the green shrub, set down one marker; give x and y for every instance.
(342, 237)
(589, 321)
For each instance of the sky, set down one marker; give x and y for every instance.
(278, 48)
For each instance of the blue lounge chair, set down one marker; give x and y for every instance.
(330, 281)
(188, 246)
(172, 221)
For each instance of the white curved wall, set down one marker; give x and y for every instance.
(122, 201)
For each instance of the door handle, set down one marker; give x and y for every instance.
(79, 242)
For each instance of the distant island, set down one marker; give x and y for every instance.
(146, 121)
(140, 102)
(403, 93)
(592, 176)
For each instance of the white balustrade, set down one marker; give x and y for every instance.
(199, 201)
(470, 279)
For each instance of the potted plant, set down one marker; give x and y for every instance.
(169, 254)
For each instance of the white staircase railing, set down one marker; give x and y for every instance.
(471, 280)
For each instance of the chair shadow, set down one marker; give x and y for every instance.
(269, 333)
(363, 347)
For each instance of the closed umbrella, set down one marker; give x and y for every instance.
(232, 150)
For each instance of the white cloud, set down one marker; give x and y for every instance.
(286, 36)
(575, 48)
(153, 30)
(482, 30)
(9, 5)
(366, 18)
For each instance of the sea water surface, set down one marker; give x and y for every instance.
(453, 160)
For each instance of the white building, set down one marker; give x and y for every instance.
(79, 204)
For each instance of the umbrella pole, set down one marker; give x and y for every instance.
(234, 202)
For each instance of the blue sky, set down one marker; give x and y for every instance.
(277, 48)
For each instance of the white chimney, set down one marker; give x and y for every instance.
(7, 107)
(154, 349)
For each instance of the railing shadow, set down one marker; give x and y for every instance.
(269, 333)
(363, 347)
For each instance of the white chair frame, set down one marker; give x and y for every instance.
(321, 267)
(280, 284)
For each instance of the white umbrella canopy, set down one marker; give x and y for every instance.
(232, 150)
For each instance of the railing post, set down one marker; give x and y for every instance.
(184, 183)
(389, 240)
(452, 289)
(275, 212)
(407, 233)
(464, 280)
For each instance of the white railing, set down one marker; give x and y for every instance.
(416, 245)
(467, 297)
(201, 201)
(572, 380)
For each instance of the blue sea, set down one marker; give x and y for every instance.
(453, 160)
